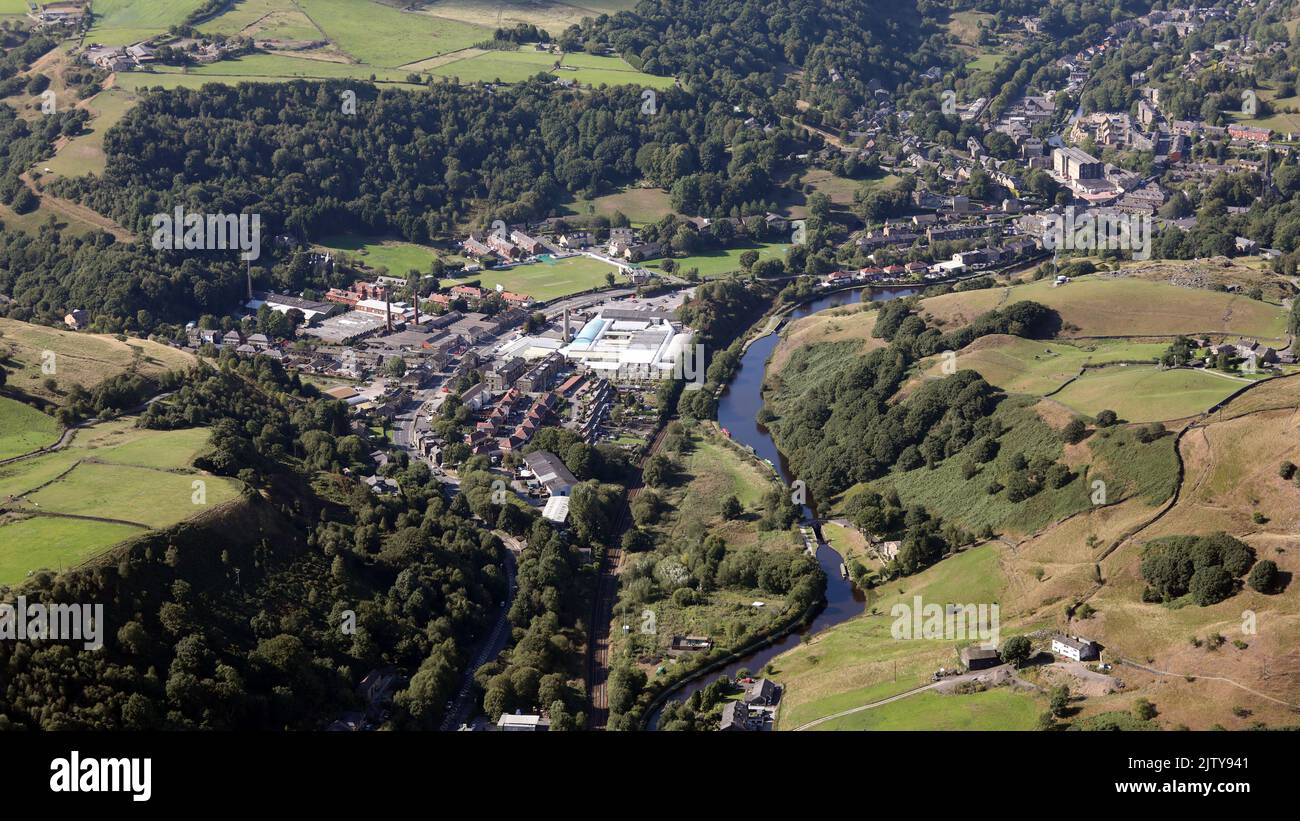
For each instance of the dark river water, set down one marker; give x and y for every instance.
(738, 414)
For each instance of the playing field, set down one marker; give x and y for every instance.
(544, 281)
(1096, 306)
(80, 358)
(397, 256)
(121, 480)
(24, 428)
(639, 205)
(1021, 365)
(1141, 393)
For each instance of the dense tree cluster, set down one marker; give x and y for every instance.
(1207, 567)
(314, 582)
(844, 429)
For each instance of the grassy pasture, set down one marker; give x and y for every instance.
(998, 709)
(264, 19)
(395, 255)
(544, 281)
(851, 322)
(1141, 393)
(517, 66)
(639, 205)
(381, 35)
(122, 22)
(859, 661)
(111, 471)
(54, 543)
(552, 16)
(1128, 307)
(84, 154)
(1021, 365)
(24, 428)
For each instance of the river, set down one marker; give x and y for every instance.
(738, 414)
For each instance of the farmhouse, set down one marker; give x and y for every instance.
(1074, 648)
(735, 716)
(76, 319)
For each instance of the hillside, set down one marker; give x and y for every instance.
(34, 354)
(1099, 306)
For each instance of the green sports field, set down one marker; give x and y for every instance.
(719, 263)
(544, 281)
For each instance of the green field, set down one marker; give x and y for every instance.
(53, 543)
(998, 709)
(639, 205)
(718, 263)
(13, 6)
(1021, 365)
(381, 35)
(265, 19)
(517, 66)
(397, 256)
(121, 22)
(24, 428)
(544, 281)
(1124, 307)
(141, 479)
(284, 67)
(859, 661)
(1146, 394)
(84, 154)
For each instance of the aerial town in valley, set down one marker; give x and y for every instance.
(650, 367)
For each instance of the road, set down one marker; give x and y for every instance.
(464, 704)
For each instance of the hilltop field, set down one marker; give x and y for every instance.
(114, 481)
(1062, 548)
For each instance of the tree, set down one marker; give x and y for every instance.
(1016, 650)
(1107, 418)
(1059, 701)
(1210, 585)
(1074, 431)
(658, 471)
(731, 508)
(1263, 576)
(1144, 710)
